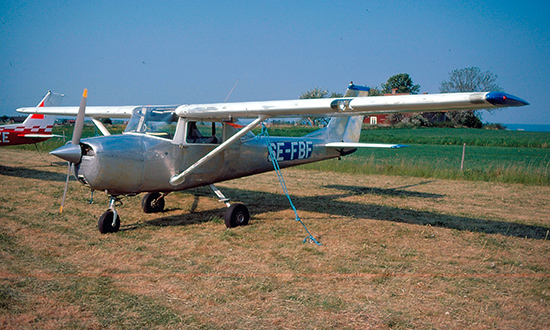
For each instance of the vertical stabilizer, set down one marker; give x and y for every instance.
(51, 100)
(39, 121)
(356, 90)
(344, 129)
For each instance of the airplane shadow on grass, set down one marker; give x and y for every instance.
(263, 202)
(190, 218)
(31, 173)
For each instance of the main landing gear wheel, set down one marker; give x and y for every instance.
(236, 215)
(153, 202)
(106, 223)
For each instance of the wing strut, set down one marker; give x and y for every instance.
(101, 127)
(179, 178)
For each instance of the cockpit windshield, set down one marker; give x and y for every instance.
(157, 121)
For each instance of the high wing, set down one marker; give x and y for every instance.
(345, 106)
(94, 112)
(352, 106)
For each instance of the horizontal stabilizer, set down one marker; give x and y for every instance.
(363, 145)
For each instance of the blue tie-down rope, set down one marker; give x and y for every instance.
(277, 168)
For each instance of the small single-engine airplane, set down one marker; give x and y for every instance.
(171, 148)
(36, 127)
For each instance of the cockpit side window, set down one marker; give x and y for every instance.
(204, 132)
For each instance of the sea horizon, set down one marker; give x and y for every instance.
(528, 127)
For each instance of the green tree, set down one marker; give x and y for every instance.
(374, 91)
(463, 80)
(470, 80)
(316, 93)
(402, 82)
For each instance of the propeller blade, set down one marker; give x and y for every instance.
(66, 187)
(79, 123)
(72, 152)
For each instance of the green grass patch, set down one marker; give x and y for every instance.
(513, 165)
(457, 136)
(491, 155)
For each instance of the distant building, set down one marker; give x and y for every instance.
(384, 120)
(18, 119)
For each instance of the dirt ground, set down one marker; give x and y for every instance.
(397, 252)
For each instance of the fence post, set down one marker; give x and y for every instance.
(463, 153)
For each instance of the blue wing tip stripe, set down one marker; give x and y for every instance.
(504, 99)
(358, 88)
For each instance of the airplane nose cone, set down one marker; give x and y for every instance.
(69, 152)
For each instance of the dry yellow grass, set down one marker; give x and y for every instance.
(397, 252)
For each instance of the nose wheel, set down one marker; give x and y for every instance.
(109, 222)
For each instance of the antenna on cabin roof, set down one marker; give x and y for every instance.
(228, 95)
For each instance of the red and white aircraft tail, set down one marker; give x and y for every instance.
(36, 128)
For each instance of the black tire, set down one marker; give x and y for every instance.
(236, 215)
(152, 203)
(105, 223)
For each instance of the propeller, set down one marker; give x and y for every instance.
(72, 152)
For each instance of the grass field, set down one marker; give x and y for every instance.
(441, 136)
(457, 136)
(398, 252)
(500, 164)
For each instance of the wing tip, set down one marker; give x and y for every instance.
(504, 99)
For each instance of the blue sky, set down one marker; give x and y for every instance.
(178, 52)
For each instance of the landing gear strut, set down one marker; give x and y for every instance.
(236, 215)
(109, 222)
